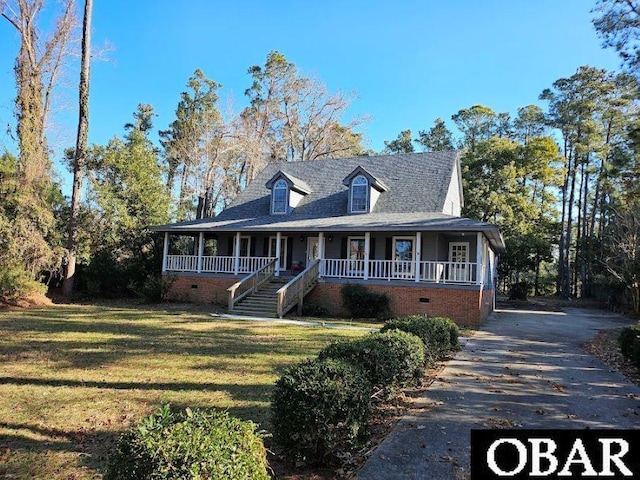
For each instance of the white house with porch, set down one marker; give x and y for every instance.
(301, 230)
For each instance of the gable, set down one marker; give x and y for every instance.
(453, 202)
(373, 181)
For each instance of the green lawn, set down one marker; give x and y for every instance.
(72, 377)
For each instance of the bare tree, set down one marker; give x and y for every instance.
(292, 118)
(38, 64)
(37, 67)
(623, 258)
(80, 153)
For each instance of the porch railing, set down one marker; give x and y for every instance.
(294, 291)
(182, 263)
(215, 264)
(428, 271)
(250, 283)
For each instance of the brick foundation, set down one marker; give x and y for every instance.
(201, 289)
(465, 305)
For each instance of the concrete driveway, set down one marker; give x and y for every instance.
(523, 369)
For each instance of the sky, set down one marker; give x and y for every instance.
(406, 62)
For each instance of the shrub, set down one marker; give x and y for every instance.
(439, 335)
(154, 288)
(390, 359)
(363, 303)
(189, 444)
(15, 282)
(519, 291)
(310, 309)
(319, 406)
(629, 341)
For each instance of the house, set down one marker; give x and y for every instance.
(300, 231)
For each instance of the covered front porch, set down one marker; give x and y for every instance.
(446, 257)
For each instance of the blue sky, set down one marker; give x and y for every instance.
(407, 62)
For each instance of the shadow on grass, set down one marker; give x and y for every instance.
(237, 392)
(110, 341)
(90, 447)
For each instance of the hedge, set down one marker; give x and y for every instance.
(189, 444)
(389, 359)
(439, 335)
(318, 408)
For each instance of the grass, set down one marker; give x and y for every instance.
(73, 377)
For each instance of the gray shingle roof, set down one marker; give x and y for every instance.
(417, 183)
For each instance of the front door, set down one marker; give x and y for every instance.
(459, 258)
(313, 250)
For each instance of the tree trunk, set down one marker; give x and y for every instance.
(537, 277)
(568, 234)
(79, 157)
(182, 199)
(562, 272)
(579, 237)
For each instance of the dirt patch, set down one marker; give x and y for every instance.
(25, 302)
(605, 346)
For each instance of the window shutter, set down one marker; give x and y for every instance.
(343, 247)
(388, 253)
(230, 247)
(252, 252)
(372, 248)
(265, 247)
(289, 252)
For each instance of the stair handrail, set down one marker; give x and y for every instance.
(250, 283)
(294, 291)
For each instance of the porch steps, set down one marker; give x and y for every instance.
(262, 303)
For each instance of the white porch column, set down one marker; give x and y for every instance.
(278, 252)
(165, 252)
(479, 280)
(236, 254)
(367, 249)
(200, 250)
(321, 252)
(418, 254)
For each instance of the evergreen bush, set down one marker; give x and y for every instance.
(15, 282)
(189, 444)
(439, 335)
(319, 407)
(363, 303)
(389, 360)
(629, 341)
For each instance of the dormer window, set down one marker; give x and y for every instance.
(286, 192)
(364, 190)
(279, 201)
(359, 194)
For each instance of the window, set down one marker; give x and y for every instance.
(404, 255)
(279, 199)
(359, 193)
(459, 252)
(245, 246)
(356, 254)
(356, 248)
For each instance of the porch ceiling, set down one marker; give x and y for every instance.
(372, 222)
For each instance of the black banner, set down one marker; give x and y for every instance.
(559, 454)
